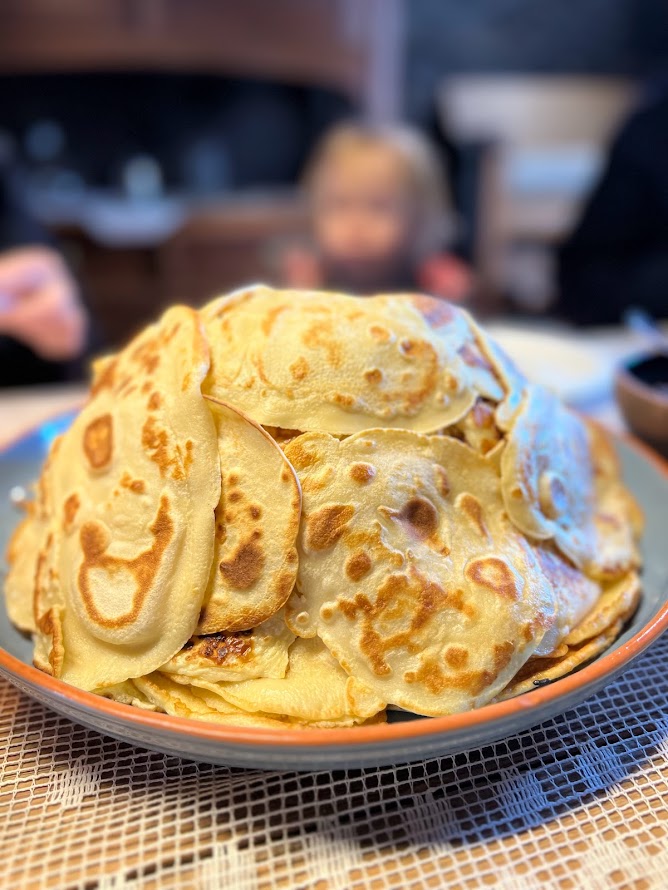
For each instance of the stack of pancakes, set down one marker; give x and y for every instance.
(300, 508)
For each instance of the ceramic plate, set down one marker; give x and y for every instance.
(404, 739)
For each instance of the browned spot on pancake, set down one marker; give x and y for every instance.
(94, 539)
(221, 534)
(244, 567)
(379, 333)
(221, 648)
(442, 481)
(171, 333)
(70, 508)
(320, 334)
(373, 376)
(146, 387)
(137, 486)
(503, 652)
(255, 511)
(450, 381)
(98, 441)
(343, 399)
(473, 358)
(472, 509)
(325, 527)
(358, 566)
(154, 401)
(232, 479)
(147, 355)
(299, 368)
(188, 459)
(185, 383)
(155, 442)
(403, 605)
(421, 516)
(494, 574)
(456, 657)
(106, 379)
(234, 497)
(269, 319)
(301, 457)
(437, 312)
(362, 473)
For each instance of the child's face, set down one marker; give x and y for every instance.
(363, 213)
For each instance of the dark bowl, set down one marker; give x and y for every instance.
(641, 388)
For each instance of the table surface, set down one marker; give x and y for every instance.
(578, 803)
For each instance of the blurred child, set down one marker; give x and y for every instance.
(380, 217)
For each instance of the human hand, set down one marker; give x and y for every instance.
(39, 303)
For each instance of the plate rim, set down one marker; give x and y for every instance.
(423, 728)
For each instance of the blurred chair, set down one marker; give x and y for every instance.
(546, 140)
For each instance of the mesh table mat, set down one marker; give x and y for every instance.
(578, 802)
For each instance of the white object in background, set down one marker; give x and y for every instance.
(577, 369)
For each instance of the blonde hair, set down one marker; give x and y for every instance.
(426, 173)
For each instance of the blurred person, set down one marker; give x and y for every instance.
(380, 215)
(618, 254)
(43, 324)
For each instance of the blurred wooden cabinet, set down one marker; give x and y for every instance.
(349, 45)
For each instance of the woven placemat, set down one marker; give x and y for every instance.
(578, 803)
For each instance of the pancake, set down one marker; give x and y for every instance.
(235, 656)
(617, 520)
(314, 691)
(19, 582)
(198, 704)
(135, 483)
(24, 545)
(257, 518)
(410, 571)
(575, 595)
(617, 601)
(560, 482)
(319, 361)
(593, 635)
(127, 693)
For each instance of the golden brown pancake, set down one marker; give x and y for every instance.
(232, 656)
(255, 558)
(560, 482)
(410, 571)
(314, 691)
(314, 361)
(135, 483)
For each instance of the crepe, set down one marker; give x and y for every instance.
(315, 690)
(257, 518)
(24, 546)
(235, 656)
(197, 704)
(410, 571)
(311, 361)
(560, 482)
(134, 485)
